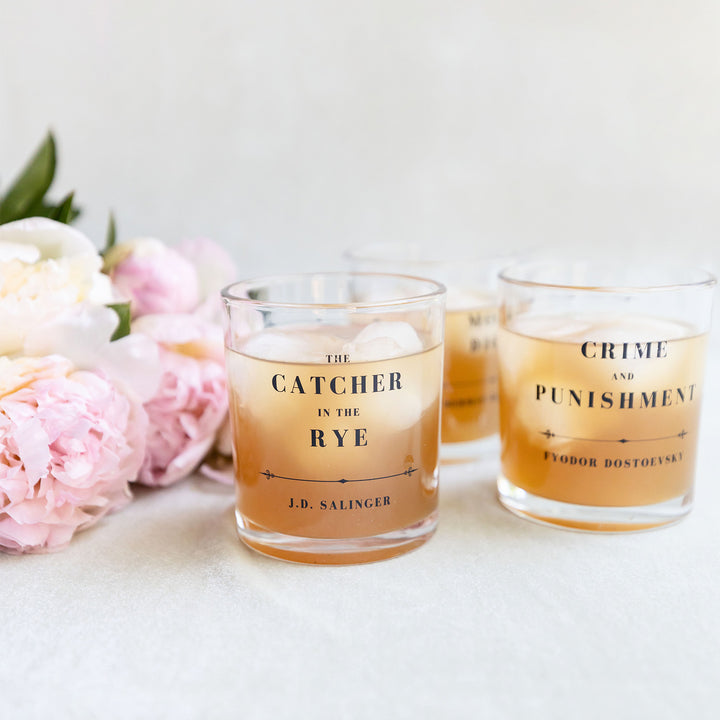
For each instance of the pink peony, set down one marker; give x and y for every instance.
(214, 265)
(219, 463)
(215, 269)
(69, 445)
(191, 403)
(153, 277)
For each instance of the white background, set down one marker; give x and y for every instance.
(289, 130)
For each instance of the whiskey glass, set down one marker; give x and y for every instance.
(601, 383)
(469, 429)
(334, 383)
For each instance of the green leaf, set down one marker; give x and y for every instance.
(123, 313)
(44, 209)
(31, 185)
(39, 209)
(63, 211)
(75, 212)
(110, 235)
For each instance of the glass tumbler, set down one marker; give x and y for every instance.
(470, 392)
(601, 382)
(334, 383)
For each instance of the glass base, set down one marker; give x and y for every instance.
(591, 518)
(470, 452)
(335, 551)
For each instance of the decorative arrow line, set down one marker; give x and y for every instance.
(549, 434)
(270, 475)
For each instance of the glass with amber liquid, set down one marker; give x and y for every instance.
(470, 390)
(601, 380)
(334, 385)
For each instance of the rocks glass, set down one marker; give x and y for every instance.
(601, 381)
(470, 399)
(334, 383)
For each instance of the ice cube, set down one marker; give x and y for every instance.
(557, 362)
(553, 327)
(292, 346)
(615, 328)
(636, 329)
(383, 339)
(271, 345)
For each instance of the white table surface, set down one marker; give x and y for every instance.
(159, 612)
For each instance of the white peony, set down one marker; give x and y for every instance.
(47, 270)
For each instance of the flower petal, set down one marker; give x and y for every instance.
(53, 239)
(78, 333)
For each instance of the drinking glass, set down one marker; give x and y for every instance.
(601, 382)
(334, 383)
(470, 397)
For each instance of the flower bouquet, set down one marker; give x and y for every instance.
(111, 364)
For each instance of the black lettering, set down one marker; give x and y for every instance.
(626, 400)
(359, 386)
(648, 399)
(334, 388)
(317, 438)
(340, 438)
(585, 349)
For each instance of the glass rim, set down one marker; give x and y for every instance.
(511, 276)
(435, 290)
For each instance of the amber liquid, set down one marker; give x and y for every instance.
(600, 431)
(350, 458)
(470, 391)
